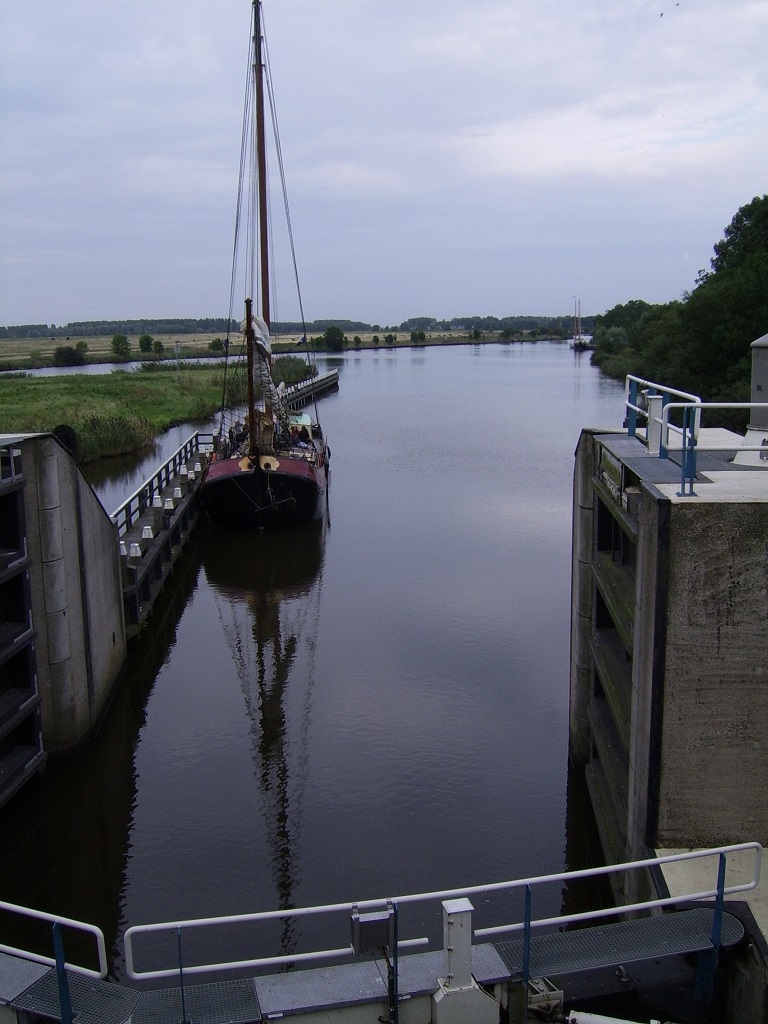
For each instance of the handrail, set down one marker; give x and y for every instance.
(666, 426)
(126, 514)
(133, 507)
(445, 894)
(634, 406)
(690, 433)
(68, 922)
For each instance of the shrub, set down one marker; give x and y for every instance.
(67, 355)
(121, 346)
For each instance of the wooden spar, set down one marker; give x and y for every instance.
(261, 160)
(261, 154)
(249, 346)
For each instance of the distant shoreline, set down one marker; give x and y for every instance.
(19, 354)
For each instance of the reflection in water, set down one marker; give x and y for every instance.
(64, 846)
(408, 733)
(267, 593)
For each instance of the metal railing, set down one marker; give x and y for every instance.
(10, 463)
(654, 403)
(177, 928)
(637, 391)
(295, 394)
(141, 499)
(53, 919)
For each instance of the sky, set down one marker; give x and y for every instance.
(493, 157)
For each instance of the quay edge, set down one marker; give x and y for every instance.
(76, 586)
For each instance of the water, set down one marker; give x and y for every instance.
(373, 706)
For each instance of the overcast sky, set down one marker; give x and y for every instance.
(490, 157)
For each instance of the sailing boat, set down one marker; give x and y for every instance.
(579, 343)
(272, 470)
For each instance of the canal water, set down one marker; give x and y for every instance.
(373, 706)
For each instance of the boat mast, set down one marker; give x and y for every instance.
(261, 157)
(260, 170)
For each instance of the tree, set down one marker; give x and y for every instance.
(145, 342)
(157, 347)
(217, 345)
(121, 346)
(746, 235)
(67, 355)
(334, 338)
(702, 344)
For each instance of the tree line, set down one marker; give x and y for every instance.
(700, 343)
(553, 326)
(131, 328)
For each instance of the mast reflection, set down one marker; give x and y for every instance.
(267, 588)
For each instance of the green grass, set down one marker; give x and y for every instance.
(121, 412)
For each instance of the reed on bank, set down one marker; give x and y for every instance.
(121, 412)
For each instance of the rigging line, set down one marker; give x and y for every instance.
(286, 205)
(283, 185)
(242, 174)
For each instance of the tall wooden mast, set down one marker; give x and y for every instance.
(261, 158)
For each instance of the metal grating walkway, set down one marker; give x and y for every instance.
(647, 938)
(227, 1002)
(93, 1001)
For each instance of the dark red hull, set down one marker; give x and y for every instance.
(242, 493)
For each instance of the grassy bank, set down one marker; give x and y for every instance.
(119, 413)
(33, 353)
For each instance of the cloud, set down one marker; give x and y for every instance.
(503, 155)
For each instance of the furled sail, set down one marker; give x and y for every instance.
(275, 395)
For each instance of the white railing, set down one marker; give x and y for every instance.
(141, 499)
(667, 428)
(49, 961)
(179, 927)
(637, 391)
(643, 398)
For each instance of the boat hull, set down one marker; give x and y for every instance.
(244, 493)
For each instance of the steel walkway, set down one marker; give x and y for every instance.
(239, 1002)
(608, 945)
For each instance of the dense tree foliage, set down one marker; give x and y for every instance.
(702, 343)
(509, 326)
(333, 338)
(121, 346)
(107, 328)
(68, 355)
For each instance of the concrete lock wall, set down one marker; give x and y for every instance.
(76, 595)
(716, 679)
(647, 669)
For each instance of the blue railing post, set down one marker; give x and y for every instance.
(663, 450)
(65, 1000)
(688, 453)
(707, 962)
(527, 937)
(632, 413)
(184, 1019)
(395, 966)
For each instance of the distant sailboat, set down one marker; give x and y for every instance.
(578, 343)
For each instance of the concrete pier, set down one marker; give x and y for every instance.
(154, 524)
(75, 586)
(669, 680)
